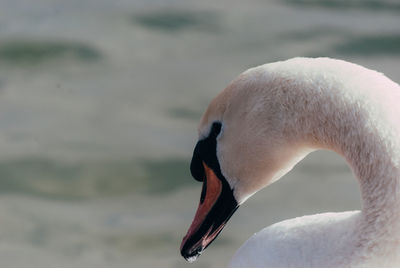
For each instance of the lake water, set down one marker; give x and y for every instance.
(99, 104)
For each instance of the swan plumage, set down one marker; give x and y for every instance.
(265, 122)
(295, 242)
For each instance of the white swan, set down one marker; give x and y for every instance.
(267, 120)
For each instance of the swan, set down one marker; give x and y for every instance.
(267, 120)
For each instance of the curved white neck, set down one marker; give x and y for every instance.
(378, 172)
(362, 125)
(377, 169)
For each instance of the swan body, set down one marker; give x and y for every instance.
(266, 121)
(320, 240)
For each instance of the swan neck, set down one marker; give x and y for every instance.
(363, 126)
(373, 153)
(377, 170)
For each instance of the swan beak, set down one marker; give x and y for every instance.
(217, 204)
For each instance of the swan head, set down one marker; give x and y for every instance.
(247, 140)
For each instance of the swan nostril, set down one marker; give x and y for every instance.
(196, 166)
(203, 190)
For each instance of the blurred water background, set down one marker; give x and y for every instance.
(99, 104)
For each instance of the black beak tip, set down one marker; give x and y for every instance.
(191, 255)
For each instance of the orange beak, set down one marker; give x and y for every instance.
(210, 218)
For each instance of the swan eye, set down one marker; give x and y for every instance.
(215, 129)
